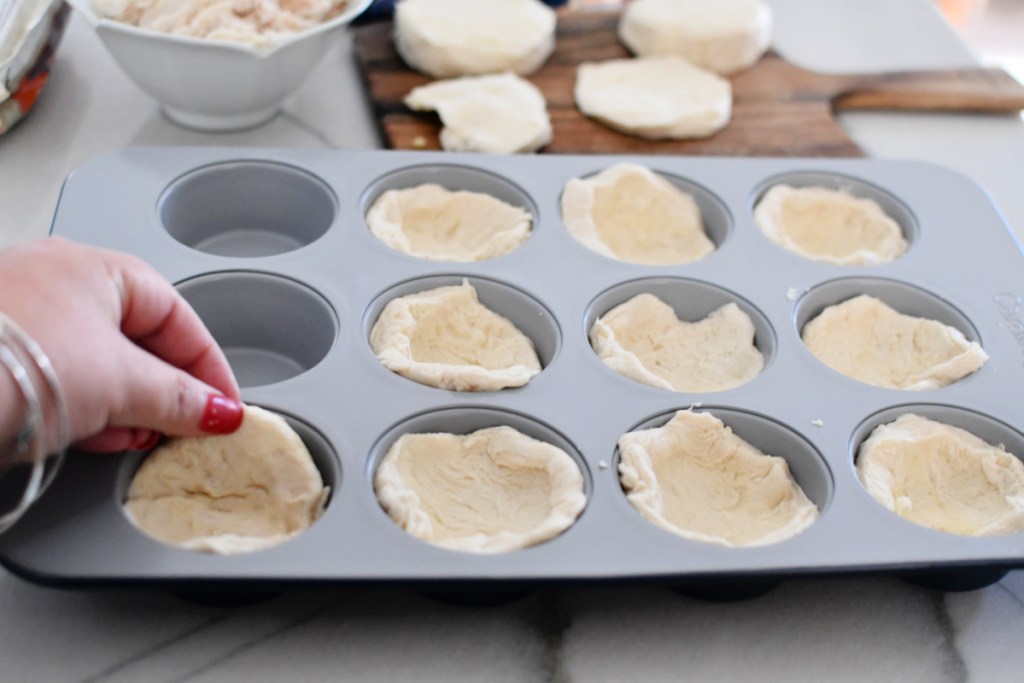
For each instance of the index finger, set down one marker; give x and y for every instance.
(157, 318)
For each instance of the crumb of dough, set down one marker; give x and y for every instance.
(229, 494)
(491, 491)
(629, 213)
(644, 340)
(498, 114)
(818, 423)
(724, 36)
(695, 478)
(446, 338)
(865, 339)
(431, 222)
(943, 477)
(830, 226)
(254, 22)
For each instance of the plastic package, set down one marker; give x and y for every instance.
(30, 31)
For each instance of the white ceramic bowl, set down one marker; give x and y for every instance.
(216, 85)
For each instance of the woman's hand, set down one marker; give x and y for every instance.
(133, 359)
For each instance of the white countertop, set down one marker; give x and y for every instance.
(851, 629)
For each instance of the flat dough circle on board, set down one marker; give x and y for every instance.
(447, 38)
(943, 477)
(724, 36)
(491, 491)
(829, 226)
(644, 340)
(431, 222)
(629, 213)
(656, 98)
(446, 338)
(501, 114)
(697, 479)
(865, 339)
(229, 494)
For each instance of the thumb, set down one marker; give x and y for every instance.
(161, 397)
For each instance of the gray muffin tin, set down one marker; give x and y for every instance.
(272, 249)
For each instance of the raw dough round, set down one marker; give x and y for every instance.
(654, 97)
(446, 338)
(629, 213)
(866, 340)
(229, 494)
(644, 340)
(943, 477)
(501, 114)
(829, 226)
(697, 479)
(446, 38)
(431, 222)
(724, 36)
(491, 491)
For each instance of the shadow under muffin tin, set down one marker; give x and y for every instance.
(272, 249)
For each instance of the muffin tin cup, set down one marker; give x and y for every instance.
(330, 290)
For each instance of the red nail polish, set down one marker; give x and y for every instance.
(222, 415)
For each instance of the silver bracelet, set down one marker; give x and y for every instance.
(18, 352)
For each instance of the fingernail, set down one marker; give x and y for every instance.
(150, 442)
(222, 415)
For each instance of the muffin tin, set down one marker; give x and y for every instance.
(272, 249)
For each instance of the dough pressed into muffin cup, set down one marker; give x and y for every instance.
(229, 494)
(491, 491)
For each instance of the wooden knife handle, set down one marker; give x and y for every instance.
(990, 91)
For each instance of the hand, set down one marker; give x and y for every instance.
(133, 359)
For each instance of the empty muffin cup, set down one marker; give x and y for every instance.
(271, 328)
(247, 209)
(478, 480)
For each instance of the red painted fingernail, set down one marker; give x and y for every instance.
(222, 415)
(150, 442)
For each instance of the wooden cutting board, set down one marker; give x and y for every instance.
(778, 109)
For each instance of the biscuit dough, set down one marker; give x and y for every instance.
(448, 38)
(724, 36)
(697, 479)
(236, 493)
(654, 97)
(491, 491)
(644, 340)
(629, 213)
(446, 338)
(943, 477)
(866, 340)
(431, 222)
(830, 226)
(501, 114)
(254, 22)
